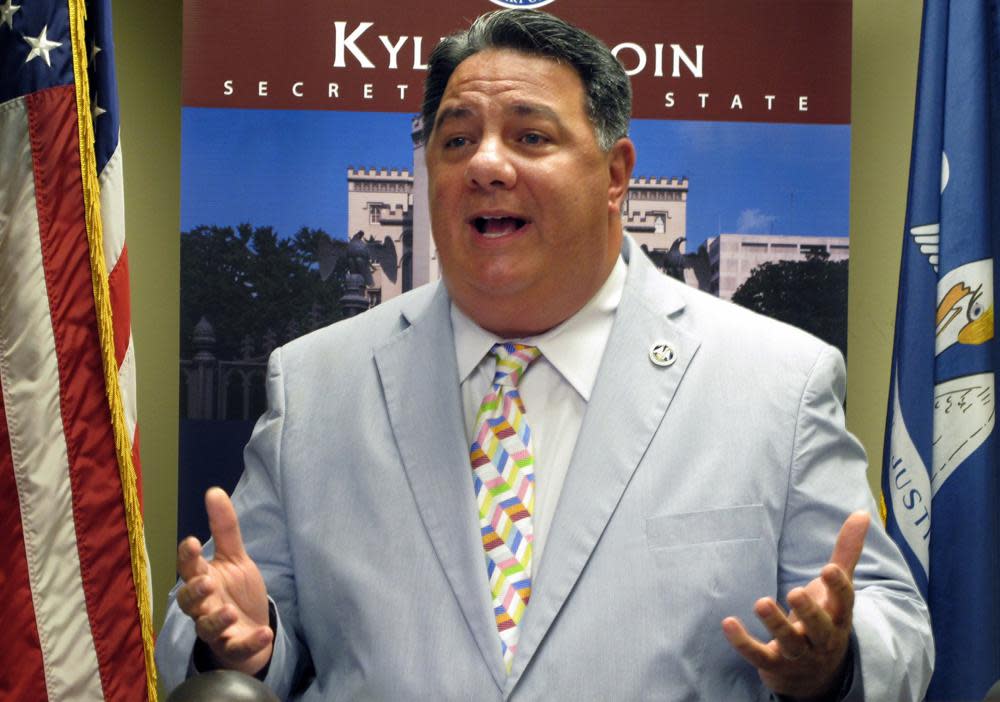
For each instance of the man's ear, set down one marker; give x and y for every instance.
(621, 161)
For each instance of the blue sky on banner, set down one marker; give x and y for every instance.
(940, 476)
(751, 177)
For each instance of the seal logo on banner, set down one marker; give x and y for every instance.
(521, 3)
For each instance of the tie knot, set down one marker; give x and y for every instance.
(512, 360)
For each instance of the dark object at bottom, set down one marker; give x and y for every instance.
(222, 686)
(994, 694)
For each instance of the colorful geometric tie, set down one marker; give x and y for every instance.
(504, 478)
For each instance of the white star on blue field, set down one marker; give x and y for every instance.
(288, 169)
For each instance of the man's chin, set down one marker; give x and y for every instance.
(493, 297)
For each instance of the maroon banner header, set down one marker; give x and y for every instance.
(727, 60)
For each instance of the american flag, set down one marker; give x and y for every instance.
(74, 593)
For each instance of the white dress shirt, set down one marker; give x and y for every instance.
(555, 388)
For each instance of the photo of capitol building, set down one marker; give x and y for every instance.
(390, 204)
(389, 250)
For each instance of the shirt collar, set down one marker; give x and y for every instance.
(574, 348)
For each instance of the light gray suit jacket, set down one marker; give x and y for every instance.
(694, 489)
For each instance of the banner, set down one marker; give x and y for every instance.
(304, 191)
(73, 573)
(941, 477)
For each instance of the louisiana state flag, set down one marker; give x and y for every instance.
(941, 476)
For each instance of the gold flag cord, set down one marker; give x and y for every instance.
(102, 302)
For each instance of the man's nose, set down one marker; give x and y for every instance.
(490, 167)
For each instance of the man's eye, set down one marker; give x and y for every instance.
(533, 139)
(456, 142)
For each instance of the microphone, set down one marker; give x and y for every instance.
(217, 685)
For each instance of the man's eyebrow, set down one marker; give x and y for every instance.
(534, 109)
(457, 112)
(520, 109)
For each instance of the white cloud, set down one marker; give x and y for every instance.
(755, 222)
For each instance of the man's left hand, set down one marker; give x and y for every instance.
(807, 656)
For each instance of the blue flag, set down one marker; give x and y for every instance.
(941, 477)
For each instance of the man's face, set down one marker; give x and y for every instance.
(524, 203)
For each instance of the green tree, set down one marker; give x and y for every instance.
(810, 294)
(252, 284)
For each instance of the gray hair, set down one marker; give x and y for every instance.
(609, 94)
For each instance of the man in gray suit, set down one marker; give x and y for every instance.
(698, 522)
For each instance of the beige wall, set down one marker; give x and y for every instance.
(886, 41)
(148, 43)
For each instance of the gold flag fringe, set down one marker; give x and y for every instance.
(102, 302)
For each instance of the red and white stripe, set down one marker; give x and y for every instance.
(116, 262)
(66, 576)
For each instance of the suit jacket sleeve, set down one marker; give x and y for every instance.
(892, 636)
(258, 503)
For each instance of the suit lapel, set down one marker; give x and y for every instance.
(419, 377)
(627, 405)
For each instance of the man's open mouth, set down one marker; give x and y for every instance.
(497, 226)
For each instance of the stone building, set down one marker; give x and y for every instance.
(424, 260)
(655, 212)
(380, 204)
(390, 202)
(734, 256)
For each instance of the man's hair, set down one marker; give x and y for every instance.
(609, 94)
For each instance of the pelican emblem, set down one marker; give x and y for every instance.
(965, 306)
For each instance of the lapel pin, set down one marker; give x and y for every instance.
(662, 354)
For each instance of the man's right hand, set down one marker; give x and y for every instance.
(226, 597)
